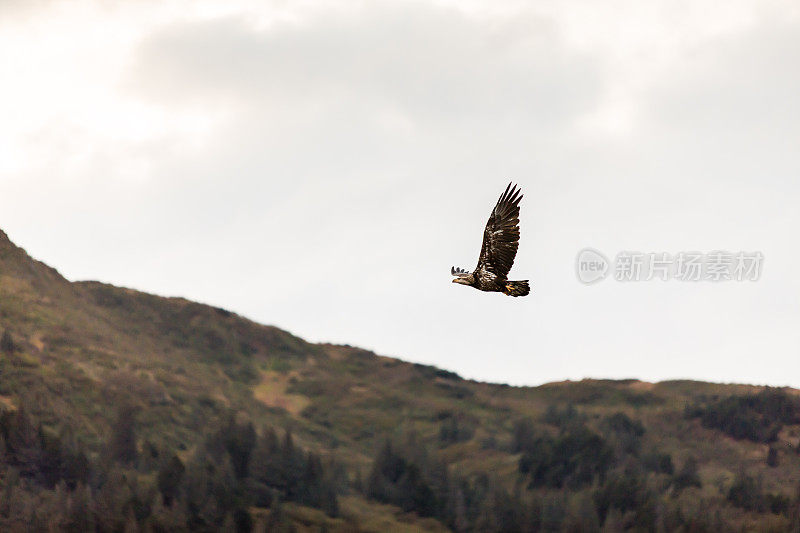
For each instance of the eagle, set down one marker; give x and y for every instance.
(500, 243)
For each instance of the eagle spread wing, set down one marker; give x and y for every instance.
(501, 236)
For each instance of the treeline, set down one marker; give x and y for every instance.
(625, 490)
(406, 474)
(48, 482)
(574, 480)
(755, 417)
(573, 474)
(619, 484)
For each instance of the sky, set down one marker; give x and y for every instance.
(320, 166)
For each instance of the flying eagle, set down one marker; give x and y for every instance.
(500, 243)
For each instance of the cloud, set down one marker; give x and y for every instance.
(736, 97)
(347, 89)
(429, 60)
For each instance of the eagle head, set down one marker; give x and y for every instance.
(462, 276)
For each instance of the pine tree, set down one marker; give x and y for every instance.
(164, 519)
(7, 344)
(581, 514)
(277, 521)
(123, 436)
(687, 476)
(170, 476)
(458, 510)
(794, 512)
(613, 522)
(772, 457)
(80, 516)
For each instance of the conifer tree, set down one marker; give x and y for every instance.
(7, 344)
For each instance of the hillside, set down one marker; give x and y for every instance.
(127, 410)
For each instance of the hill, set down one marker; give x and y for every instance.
(122, 409)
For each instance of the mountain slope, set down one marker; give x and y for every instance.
(81, 350)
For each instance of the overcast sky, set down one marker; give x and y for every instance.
(320, 166)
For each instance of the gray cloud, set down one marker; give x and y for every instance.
(430, 62)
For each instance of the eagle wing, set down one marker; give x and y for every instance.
(501, 236)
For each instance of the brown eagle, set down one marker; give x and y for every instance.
(500, 243)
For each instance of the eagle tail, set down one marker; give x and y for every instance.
(517, 288)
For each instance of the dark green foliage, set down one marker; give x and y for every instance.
(316, 487)
(61, 462)
(242, 521)
(687, 476)
(660, 463)
(237, 468)
(407, 476)
(523, 436)
(621, 423)
(278, 467)
(454, 391)
(7, 344)
(414, 493)
(149, 457)
(454, 429)
(500, 512)
(427, 371)
(565, 418)
(593, 391)
(778, 503)
(625, 432)
(209, 489)
(38, 454)
(757, 417)
(747, 493)
(446, 374)
(574, 459)
(395, 480)
(170, 477)
(582, 515)
(238, 440)
(205, 494)
(123, 437)
(794, 510)
(277, 521)
(772, 457)
(553, 512)
(624, 490)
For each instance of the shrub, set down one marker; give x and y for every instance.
(660, 463)
(745, 493)
(455, 429)
(564, 418)
(687, 476)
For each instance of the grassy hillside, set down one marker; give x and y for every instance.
(100, 370)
